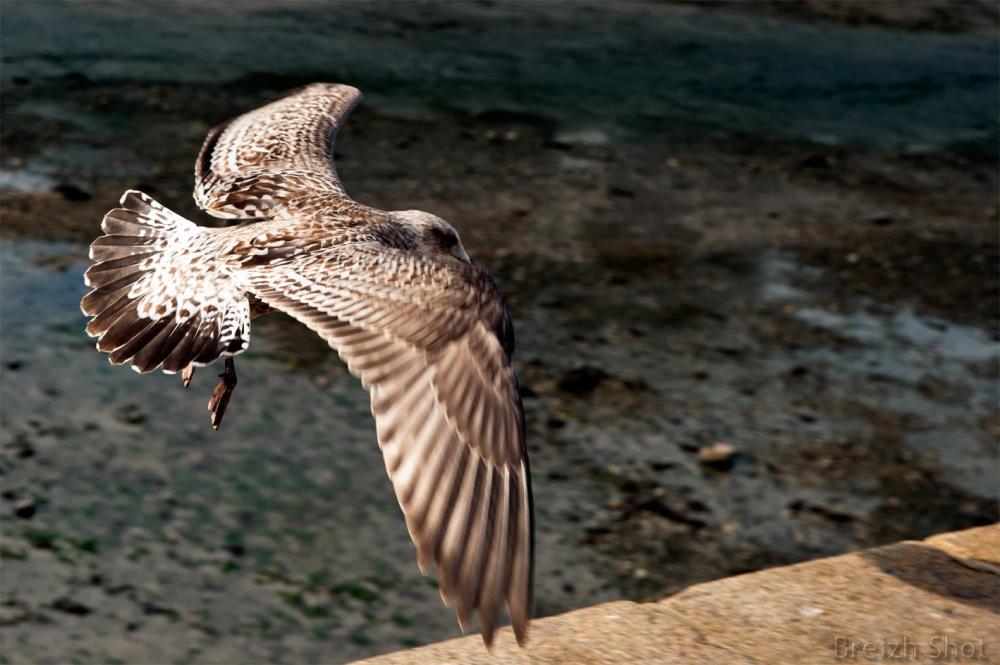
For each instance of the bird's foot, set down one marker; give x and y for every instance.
(187, 374)
(222, 392)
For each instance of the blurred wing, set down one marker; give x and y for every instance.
(252, 165)
(422, 334)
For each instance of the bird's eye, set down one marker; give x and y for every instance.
(447, 239)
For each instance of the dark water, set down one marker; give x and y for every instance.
(638, 68)
(711, 227)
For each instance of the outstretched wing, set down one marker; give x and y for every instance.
(430, 340)
(253, 165)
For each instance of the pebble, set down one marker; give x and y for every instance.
(816, 161)
(719, 456)
(25, 508)
(22, 449)
(10, 615)
(70, 606)
(72, 192)
(130, 414)
(582, 380)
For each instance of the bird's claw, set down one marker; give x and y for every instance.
(186, 374)
(222, 392)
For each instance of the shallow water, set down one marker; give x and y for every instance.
(629, 70)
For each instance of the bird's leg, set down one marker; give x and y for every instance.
(222, 392)
(186, 375)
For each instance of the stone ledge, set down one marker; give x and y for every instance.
(913, 601)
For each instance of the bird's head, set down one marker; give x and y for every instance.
(431, 234)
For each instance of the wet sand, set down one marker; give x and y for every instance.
(824, 305)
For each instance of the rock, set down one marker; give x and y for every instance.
(41, 539)
(582, 380)
(527, 392)
(546, 387)
(21, 448)
(12, 614)
(76, 78)
(697, 506)
(785, 615)
(981, 552)
(25, 508)
(70, 606)
(657, 506)
(831, 514)
(72, 192)
(797, 507)
(130, 414)
(816, 161)
(149, 607)
(719, 456)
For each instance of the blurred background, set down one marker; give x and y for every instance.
(750, 250)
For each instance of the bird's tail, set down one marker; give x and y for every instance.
(161, 296)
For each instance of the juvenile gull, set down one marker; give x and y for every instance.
(394, 293)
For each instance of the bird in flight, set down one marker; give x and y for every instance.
(393, 292)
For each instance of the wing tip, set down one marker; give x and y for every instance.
(521, 632)
(131, 193)
(488, 633)
(329, 86)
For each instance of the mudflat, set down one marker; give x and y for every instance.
(751, 260)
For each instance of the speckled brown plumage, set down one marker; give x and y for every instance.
(394, 293)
